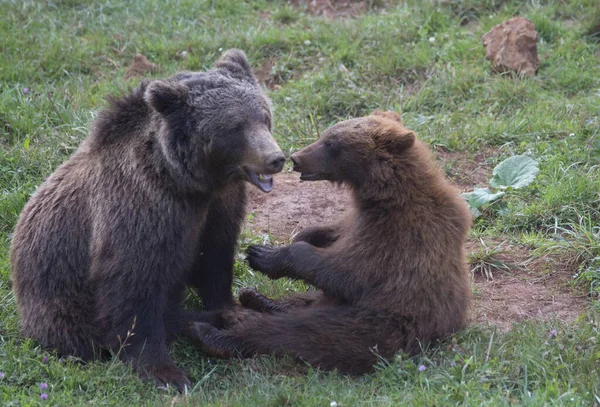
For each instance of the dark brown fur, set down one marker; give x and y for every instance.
(393, 271)
(152, 200)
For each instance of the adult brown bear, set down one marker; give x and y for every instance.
(152, 200)
(393, 273)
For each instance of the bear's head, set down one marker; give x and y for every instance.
(355, 151)
(215, 126)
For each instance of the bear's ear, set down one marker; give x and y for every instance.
(388, 115)
(404, 140)
(394, 138)
(166, 96)
(235, 61)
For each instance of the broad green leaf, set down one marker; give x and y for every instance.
(475, 213)
(517, 172)
(481, 196)
(26, 143)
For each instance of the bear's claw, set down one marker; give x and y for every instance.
(165, 376)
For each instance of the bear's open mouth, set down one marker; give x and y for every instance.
(263, 181)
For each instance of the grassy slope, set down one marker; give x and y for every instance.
(70, 54)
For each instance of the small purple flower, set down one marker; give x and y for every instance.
(552, 333)
(452, 364)
(45, 359)
(26, 90)
(43, 396)
(1, 375)
(44, 386)
(422, 368)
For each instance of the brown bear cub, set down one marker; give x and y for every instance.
(393, 273)
(154, 199)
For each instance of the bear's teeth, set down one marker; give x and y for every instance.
(264, 177)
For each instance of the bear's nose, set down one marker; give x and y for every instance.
(275, 162)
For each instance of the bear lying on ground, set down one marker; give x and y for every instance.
(153, 200)
(393, 272)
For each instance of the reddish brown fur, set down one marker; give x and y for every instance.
(393, 272)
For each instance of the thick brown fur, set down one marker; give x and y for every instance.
(152, 200)
(393, 272)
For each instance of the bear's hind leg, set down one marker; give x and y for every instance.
(177, 322)
(345, 338)
(250, 298)
(214, 342)
(64, 324)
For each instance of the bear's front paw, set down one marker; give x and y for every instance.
(212, 341)
(250, 298)
(266, 259)
(201, 330)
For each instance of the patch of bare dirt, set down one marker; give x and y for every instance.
(293, 205)
(333, 9)
(273, 79)
(466, 172)
(518, 287)
(264, 74)
(264, 15)
(140, 66)
(523, 287)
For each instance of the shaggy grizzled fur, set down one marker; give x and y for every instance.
(152, 200)
(393, 273)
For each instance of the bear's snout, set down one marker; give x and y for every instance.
(275, 162)
(296, 162)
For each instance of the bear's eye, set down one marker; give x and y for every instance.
(237, 128)
(333, 148)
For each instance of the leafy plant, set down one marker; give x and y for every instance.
(513, 173)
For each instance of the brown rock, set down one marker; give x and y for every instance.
(512, 46)
(140, 66)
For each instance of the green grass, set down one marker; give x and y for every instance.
(422, 58)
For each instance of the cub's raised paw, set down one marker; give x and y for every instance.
(166, 376)
(264, 259)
